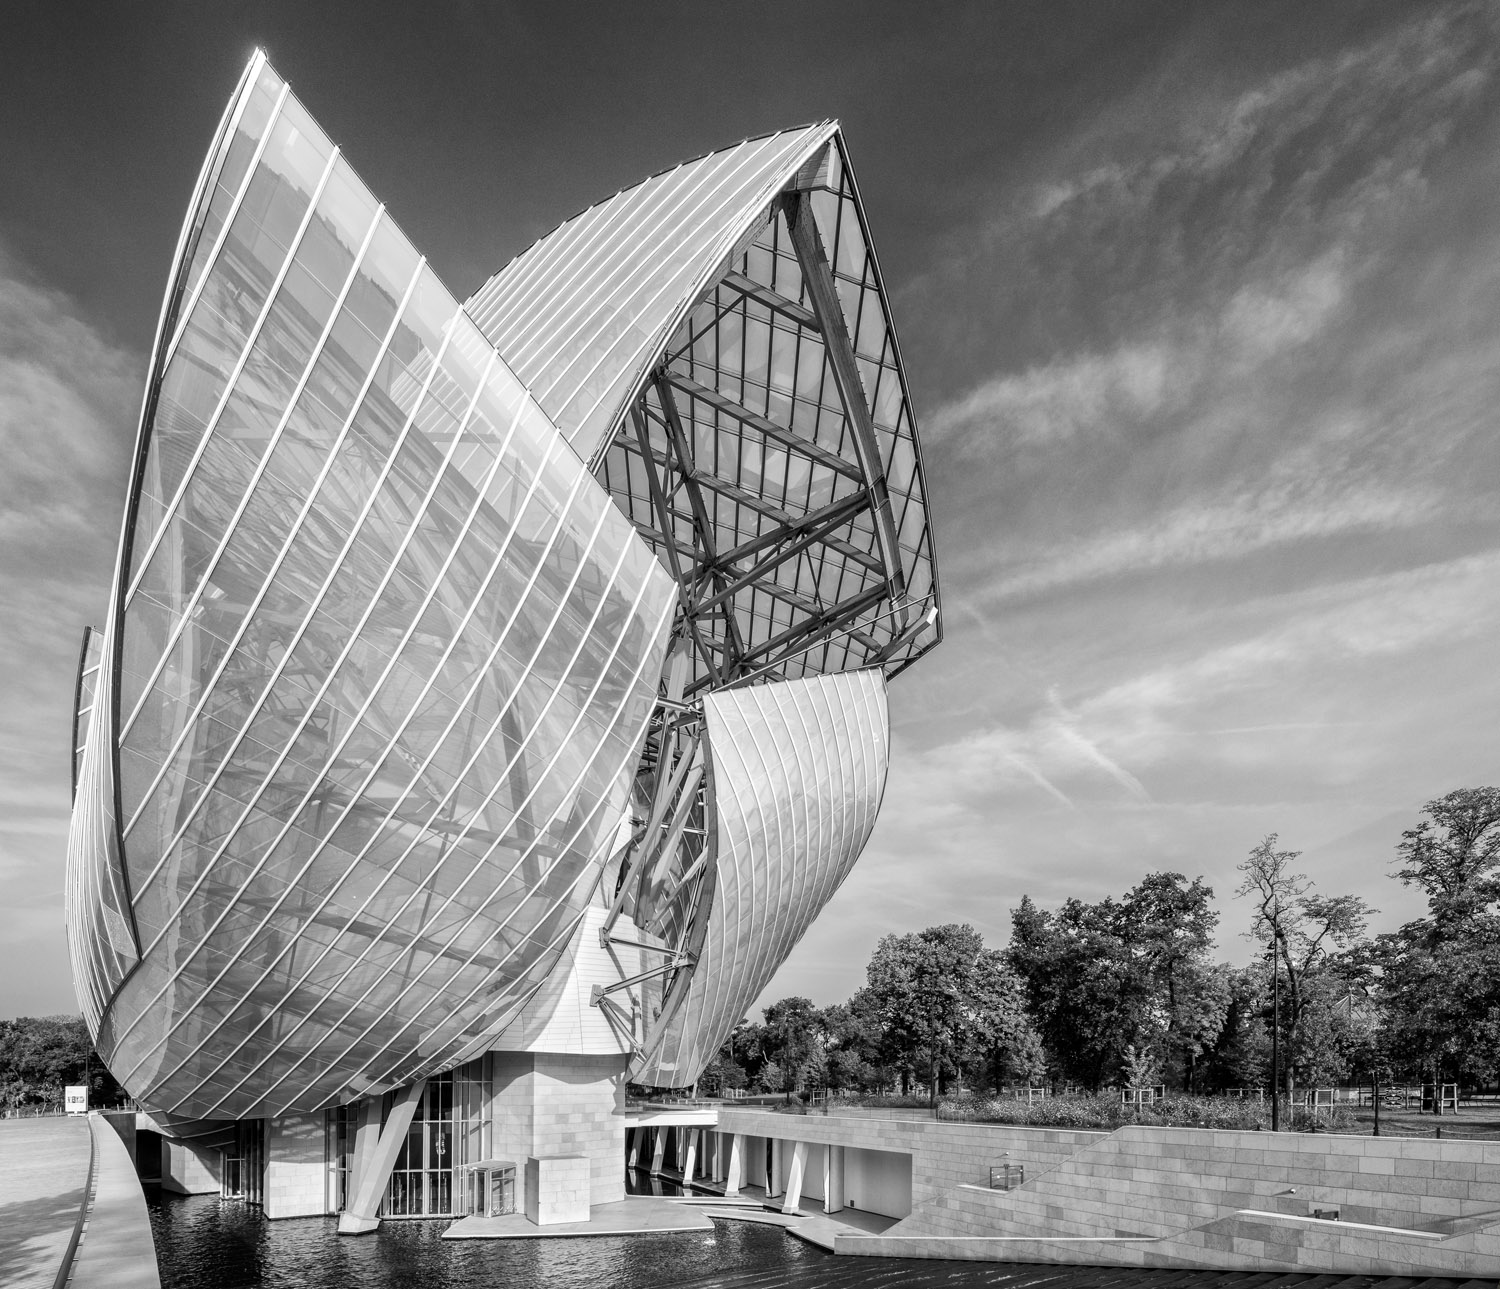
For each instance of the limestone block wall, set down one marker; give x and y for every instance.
(557, 1189)
(189, 1169)
(1229, 1200)
(550, 1104)
(296, 1182)
(943, 1154)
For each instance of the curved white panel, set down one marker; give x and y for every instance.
(797, 771)
(582, 313)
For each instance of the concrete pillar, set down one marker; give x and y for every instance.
(773, 1177)
(734, 1170)
(659, 1154)
(189, 1169)
(833, 1179)
(690, 1156)
(373, 1164)
(635, 1147)
(794, 1177)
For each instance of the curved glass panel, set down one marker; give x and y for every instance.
(583, 312)
(797, 771)
(389, 654)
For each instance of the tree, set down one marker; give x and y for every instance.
(1452, 855)
(40, 1055)
(1240, 1054)
(792, 1039)
(1304, 932)
(1129, 973)
(944, 1000)
(1441, 974)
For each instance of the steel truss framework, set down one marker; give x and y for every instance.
(780, 573)
(374, 697)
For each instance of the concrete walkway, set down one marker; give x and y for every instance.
(116, 1250)
(810, 1223)
(44, 1173)
(44, 1192)
(634, 1216)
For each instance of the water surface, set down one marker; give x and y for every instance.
(203, 1242)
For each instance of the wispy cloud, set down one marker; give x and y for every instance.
(1197, 532)
(67, 407)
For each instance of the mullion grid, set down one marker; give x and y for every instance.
(394, 1074)
(263, 458)
(761, 614)
(438, 744)
(498, 642)
(348, 434)
(916, 556)
(245, 815)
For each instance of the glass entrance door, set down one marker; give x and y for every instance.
(422, 1180)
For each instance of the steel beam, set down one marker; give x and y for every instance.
(822, 291)
(762, 425)
(771, 298)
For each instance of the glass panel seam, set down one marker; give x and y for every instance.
(172, 508)
(292, 534)
(231, 526)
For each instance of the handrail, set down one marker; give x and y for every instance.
(65, 1267)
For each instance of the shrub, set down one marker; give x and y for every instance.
(1102, 1110)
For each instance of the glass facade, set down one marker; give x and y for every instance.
(387, 652)
(583, 313)
(434, 625)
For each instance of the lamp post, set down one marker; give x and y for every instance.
(1275, 1031)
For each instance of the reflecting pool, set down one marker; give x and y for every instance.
(203, 1242)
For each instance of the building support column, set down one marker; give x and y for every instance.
(635, 1147)
(690, 1156)
(773, 1178)
(659, 1151)
(794, 1177)
(734, 1172)
(833, 1179)
(375, 1151)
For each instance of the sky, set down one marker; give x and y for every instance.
(1200, 307)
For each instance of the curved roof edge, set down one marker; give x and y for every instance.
(584, 264)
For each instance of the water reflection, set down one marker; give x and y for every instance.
(203, 1242)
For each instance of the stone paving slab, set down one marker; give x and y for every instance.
(44, 1167)
(633, 1216)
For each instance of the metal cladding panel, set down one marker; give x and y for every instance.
(796, 774)
(583, 313)
(386, 654)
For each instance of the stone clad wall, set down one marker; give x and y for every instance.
(296, 1183)
(549, 1104)
(944, 1154)
(189, 1169)
(1233, 1200)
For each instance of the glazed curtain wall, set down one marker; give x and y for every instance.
(797, 771)
(387, 655)
(582, 314)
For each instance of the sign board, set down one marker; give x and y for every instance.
(76, 1099)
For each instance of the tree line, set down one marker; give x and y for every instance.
(1126, 991)
(42, 1055)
